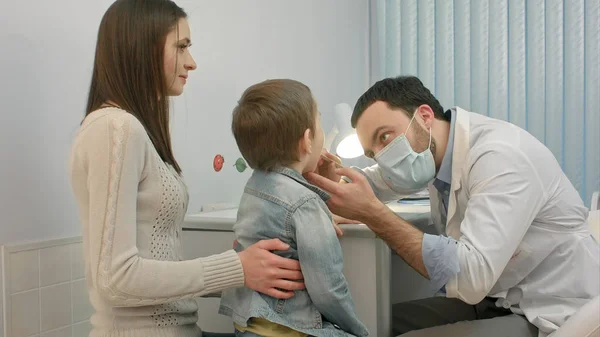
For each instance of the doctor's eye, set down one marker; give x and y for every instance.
(385, 137)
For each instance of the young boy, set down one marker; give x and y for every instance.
(277, 128)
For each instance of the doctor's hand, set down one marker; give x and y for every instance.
(339, 220)
(269, 273)
(326, 168)
(354, 200)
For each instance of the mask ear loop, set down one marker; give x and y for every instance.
(409, 123)
(430, 137)
(411, 120)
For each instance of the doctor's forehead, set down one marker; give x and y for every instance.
(379, 114)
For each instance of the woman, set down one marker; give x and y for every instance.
(131, 196)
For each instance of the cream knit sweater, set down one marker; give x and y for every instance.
(132, 206)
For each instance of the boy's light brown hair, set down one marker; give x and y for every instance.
(269, 121)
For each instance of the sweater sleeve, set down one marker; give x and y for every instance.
(110, 159)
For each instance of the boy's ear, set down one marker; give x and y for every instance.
(306, 142)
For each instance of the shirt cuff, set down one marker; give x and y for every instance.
(440, 259)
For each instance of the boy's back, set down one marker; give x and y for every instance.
(282, 204)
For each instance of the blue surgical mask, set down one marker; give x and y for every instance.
(404, 170)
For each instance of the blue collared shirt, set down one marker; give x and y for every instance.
(439, 252)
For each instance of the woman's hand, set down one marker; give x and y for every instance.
(269, 273)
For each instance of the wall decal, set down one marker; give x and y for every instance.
(240, 165)
(218, 162)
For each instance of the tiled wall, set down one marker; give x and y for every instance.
(44, 290)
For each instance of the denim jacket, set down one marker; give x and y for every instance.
(282, 204)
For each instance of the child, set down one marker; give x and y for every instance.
(277, 128)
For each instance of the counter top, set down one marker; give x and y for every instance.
(223, 220)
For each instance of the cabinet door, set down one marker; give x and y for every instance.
(200, 244)
(360, 270)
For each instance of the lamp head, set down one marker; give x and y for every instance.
(348, 145)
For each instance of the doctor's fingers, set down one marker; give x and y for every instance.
(341, 220)
(332, 156)
(351, 173)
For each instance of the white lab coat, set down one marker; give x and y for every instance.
(520, 223)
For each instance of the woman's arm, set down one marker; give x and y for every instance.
(107, 167)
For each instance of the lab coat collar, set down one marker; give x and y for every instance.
(462, 132)
(445, 172)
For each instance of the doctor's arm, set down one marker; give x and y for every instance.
(505, 193)
(356, 200)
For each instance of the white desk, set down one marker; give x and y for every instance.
(367, 266)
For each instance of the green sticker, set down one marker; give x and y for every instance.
(240, 165)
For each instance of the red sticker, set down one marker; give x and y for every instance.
(218, 162)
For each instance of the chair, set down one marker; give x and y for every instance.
(594, 223)
(586, 321)
(595, 205)
(594, 215)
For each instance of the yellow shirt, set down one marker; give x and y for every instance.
(262, 327)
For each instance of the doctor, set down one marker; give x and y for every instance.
(516, 257)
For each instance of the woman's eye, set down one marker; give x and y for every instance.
(385, 137)
(182, 47)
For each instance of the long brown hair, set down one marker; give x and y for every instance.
(129, 66)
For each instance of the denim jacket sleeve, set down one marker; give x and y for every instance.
(321, 260)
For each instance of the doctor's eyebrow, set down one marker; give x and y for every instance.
(376, 133)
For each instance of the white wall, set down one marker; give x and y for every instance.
(46, 60)
(321, 43)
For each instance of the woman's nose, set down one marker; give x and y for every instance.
(191, 64)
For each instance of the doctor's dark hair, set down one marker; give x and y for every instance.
(269, 121)
(402, 92)
(129, 66)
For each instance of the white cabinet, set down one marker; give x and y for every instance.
(364, 257)
(367, 267)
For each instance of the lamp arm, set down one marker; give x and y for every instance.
(330, 137)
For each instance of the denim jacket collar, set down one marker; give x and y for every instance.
(291, 173)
